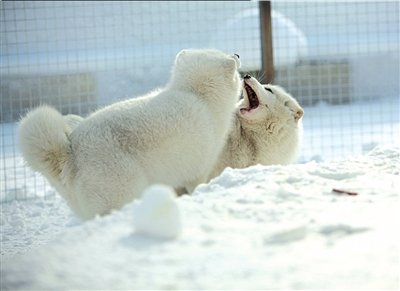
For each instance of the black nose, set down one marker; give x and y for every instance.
(237, 56)
(247, 76)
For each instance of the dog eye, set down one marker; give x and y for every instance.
(268, 89)
(286, 103)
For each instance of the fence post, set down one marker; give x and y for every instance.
(266, 42)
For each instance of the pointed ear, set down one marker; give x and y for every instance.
(229, 66)
(180, 56)
(294, 106)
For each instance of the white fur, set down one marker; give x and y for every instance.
(172, 136)
(270, 134)
(73, 120)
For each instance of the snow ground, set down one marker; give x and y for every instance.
(257, 228)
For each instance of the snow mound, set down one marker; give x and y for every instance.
(264, 227)
(158, 214)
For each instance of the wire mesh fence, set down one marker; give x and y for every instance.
(340, 60)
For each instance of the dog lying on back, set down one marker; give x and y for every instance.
(267, 129)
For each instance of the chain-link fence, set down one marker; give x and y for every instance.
(340, 60)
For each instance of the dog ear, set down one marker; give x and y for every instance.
(182, 53)
(180, 56)
(294, 107)
(229, 66)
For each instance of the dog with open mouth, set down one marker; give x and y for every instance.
(267, 128)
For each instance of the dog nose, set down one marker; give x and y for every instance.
(247, 76)
(237, 56)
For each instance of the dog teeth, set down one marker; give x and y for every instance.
(252, 97)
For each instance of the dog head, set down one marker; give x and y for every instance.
(267, 103)
(273, 118)
(207, 72)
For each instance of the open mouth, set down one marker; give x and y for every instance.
(252, 97)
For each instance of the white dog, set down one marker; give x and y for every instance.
(267, 128)
(172, 136)
(250, 142)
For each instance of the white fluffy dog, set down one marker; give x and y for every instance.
(173, 136)
(267, 128)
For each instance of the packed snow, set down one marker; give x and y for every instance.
(158, 214)
(261, 227)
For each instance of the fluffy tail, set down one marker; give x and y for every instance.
(43, 139)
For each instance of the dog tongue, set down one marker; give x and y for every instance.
(246, 110)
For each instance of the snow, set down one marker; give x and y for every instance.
(263, 227)
(158, 214)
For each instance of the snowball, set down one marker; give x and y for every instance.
(158, 214)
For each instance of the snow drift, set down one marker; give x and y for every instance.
(257, 228)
